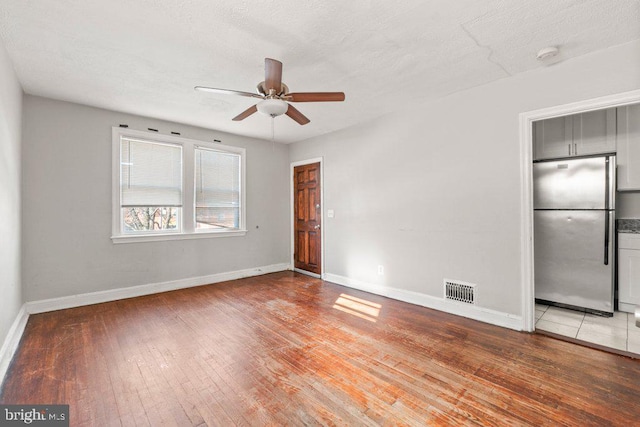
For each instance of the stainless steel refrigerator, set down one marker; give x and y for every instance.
(574, 218)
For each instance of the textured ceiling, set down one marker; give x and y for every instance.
(145, 56)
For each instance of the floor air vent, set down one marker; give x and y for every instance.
(460, 291)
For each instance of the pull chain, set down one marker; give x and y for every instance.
(273, 134)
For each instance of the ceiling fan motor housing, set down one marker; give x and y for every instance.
(262, 90)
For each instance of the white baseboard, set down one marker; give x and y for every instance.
(486, 315)
(12, 340)
(70, 301)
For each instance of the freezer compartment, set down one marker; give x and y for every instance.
(574, 258)
(587, 183)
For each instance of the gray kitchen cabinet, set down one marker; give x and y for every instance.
(552, 138)
(594, 132)
(628, 147)
(628, 271)
(581, 134)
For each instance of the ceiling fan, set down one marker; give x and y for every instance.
(275, 95)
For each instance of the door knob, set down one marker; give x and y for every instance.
(316, 226)
(318, 206)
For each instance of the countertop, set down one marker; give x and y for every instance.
(631, 226)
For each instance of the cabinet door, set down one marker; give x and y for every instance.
(594, 132)
(629, 147)
(628, 277)
(552, 138)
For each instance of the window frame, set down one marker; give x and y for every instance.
(187, 224)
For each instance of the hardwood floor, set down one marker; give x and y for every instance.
(287, 349)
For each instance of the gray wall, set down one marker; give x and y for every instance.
(67, 207)
(434, 192)
(10, 129)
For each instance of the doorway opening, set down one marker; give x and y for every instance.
(570, 324)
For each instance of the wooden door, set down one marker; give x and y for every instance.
(307, 218)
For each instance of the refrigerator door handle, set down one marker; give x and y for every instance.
(606, 237)
(607, 184)
(607, 205)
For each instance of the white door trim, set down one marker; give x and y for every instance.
(322, 222)
(526, 184)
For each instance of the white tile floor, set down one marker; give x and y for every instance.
(618, 332)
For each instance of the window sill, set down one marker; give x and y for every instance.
(176, 236)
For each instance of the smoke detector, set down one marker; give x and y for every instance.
(546, 53)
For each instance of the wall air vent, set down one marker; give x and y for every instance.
(460, 291)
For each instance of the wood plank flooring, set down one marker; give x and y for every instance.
(287, 349)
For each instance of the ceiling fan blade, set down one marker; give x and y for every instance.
(272, 75)
(315, 96)
(228, 92)
(297, 115)
(246, 113)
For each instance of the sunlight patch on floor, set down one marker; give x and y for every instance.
(358, 307)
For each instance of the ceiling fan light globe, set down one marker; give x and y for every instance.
(272, 107)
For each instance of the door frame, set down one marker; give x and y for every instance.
(293, 165)
(526, 185)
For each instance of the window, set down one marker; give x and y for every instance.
(217, 189)
(165, 187)
(150, 186)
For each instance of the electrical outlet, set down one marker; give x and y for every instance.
(380, 270)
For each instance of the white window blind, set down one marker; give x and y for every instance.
(217, 189)
(150, 174)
